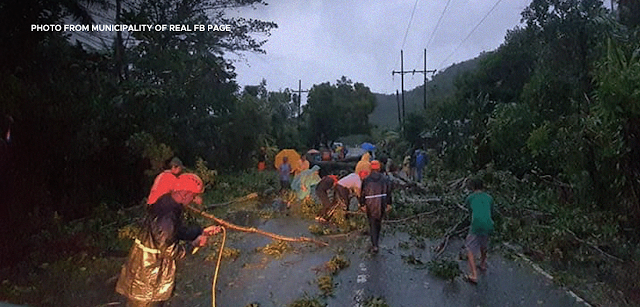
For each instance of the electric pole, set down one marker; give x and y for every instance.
(398, 103)
(299, 101)
(402, 72)
(425, 71)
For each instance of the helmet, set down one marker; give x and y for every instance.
(189, 182)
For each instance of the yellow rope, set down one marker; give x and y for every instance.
(215, 276)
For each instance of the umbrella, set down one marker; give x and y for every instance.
(313, 151)
(368, 146)
(291, 154)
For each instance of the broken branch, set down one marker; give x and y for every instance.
(442, 246)
(228, 225)
(243, 198)
(593, 246)
(411, 217)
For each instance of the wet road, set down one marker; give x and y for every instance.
(264, 280)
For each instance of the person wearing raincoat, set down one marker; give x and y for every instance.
(342, 191)
(364, 164)
(375, 196)
(148, 276)
(302, 166)
(305, 181)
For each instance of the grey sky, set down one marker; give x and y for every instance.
(320, 41)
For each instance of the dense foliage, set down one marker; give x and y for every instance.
(558, 99)
(92, 123)
(556, 108)
(95, 125)
(338, 110)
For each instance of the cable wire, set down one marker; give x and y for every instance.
(409, 25)
(436, 28)
(437, 24)
(469, 35)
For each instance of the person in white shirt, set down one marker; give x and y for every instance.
(342, 190)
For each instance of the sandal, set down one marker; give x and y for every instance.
(470, 279)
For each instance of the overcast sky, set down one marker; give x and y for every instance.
(319, 41)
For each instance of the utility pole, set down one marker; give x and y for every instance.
(299, 102)
(402, 72)
(425, 71)
(398, 103)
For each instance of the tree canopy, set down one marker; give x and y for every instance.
(338, 110)
(557, 98)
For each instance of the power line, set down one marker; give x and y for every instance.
(469, 35)
(436, 28)
(409, 25)
(406, 33)
(437, 24)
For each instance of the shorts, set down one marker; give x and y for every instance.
(476, 243)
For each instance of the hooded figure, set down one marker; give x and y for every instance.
(148, 276)
(376, 196)
(303, 182)
(364, 164)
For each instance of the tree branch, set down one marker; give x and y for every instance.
(411, 217)
(593, 246)
(228, 225)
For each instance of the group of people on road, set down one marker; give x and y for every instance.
(368, 183)
(413, 165)
(372, 189)
(148, 276)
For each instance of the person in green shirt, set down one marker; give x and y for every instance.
(477, 241)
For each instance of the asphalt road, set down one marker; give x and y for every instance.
(267, 281)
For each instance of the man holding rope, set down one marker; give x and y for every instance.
(148, 277)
